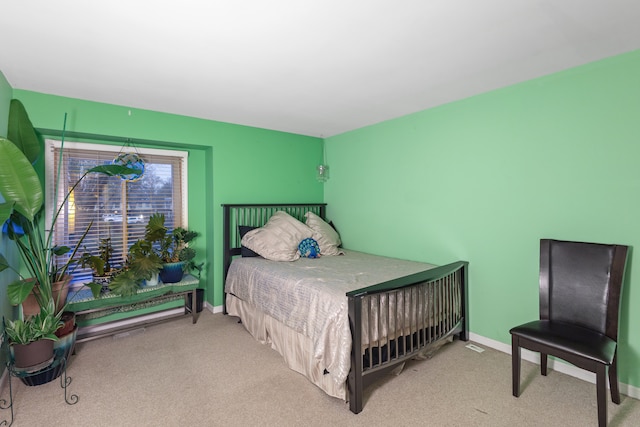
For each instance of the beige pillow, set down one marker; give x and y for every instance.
(327, 237)
(279, 238)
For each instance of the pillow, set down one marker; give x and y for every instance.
(309, 248)
(278, 239)
(327, 237)
(245, 251)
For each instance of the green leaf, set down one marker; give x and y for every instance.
(16, 331)
(144, 266)
(125, 284)
(187, 254)
(21, 132)
(19, 182)
(114, 170)
(155, 229)
(5, 212)
(95, 289)
(4, 264)
(51, 337)
(61, 250)
(94, 262)
(19, 290)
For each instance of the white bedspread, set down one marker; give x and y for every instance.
(309, 295)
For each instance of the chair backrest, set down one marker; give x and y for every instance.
(581, 283)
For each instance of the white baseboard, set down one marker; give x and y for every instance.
(554, 364)
(216, 309)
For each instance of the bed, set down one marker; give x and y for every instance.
(344, 320)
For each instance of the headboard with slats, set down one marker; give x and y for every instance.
(256, 215)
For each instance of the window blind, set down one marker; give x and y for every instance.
(114, 208)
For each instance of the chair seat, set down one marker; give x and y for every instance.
(570, 338)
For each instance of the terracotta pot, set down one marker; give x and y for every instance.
(30, 306)
(69, 322)
(33, 356)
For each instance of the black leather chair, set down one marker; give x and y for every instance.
(580, 289)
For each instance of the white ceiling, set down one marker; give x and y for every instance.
(316, 68)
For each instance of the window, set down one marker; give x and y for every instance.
(116, 208)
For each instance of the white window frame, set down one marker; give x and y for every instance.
(50, 178)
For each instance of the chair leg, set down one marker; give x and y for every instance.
(601, 392)
(515, 365)
(613, 380)
(543, 363)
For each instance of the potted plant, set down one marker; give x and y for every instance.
(33, 344)
(101, 267)
(32, 338)
(21, 216)
(142, 265)
(172, 247)
(144, 262)
(101, 263)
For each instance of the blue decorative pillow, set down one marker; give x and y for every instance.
(309, 248)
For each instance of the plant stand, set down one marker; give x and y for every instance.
(59, 363)
(84, 304)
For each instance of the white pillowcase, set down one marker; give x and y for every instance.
(279, 238)
(327, 237)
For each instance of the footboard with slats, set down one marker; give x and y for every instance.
(414, 313)
(391, 321)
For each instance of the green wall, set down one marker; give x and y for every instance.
(227, 163)
(5, 97)
(483, 179)
(6, 248)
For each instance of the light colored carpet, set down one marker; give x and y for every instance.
(214, 373)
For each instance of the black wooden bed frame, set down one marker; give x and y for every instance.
(439, 293)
